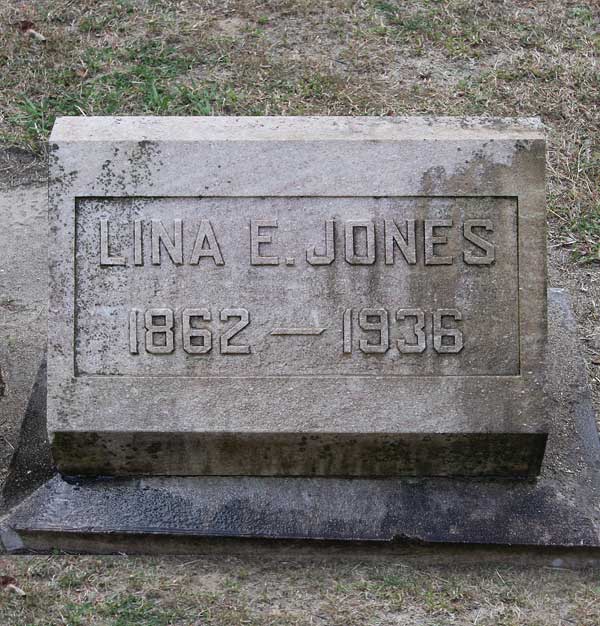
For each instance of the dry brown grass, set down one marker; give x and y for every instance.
(230, 591)
(298, 57)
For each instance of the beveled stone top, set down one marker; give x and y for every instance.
(269, 128)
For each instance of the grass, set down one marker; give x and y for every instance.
(303, 57)
(121, 591)
(300, 57)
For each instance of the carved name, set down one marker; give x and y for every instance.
(171, 242)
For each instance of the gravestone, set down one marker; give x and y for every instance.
(297, 296)
(315, 328)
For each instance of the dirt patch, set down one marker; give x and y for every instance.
(21, 167)
(231, 26)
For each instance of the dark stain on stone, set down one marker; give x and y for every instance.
(154, 448)
(31, 464)
(281, 454)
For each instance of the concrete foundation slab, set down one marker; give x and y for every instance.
(23, 339)
(195, 514)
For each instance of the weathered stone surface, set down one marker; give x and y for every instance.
(297, 296)
(23, 312)
(31, 463)
(176, 514)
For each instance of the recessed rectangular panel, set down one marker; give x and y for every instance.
(296, 286)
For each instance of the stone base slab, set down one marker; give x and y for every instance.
(187, 514)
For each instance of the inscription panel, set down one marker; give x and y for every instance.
(243, 287)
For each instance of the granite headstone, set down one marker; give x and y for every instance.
(297, 296)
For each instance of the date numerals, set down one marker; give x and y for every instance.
(161, 329)
(376, 324)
